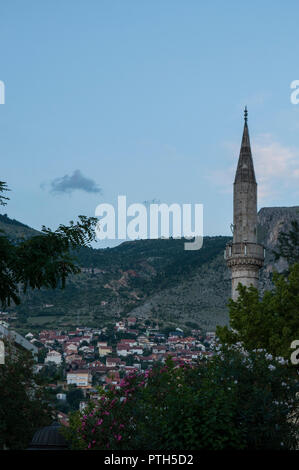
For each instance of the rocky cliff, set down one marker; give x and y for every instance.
(271, 222)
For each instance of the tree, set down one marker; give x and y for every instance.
(271, 322)
(24, 401)
(42, 354)
(3, 199)
(44, 260)
(51, 372)
(74, 396)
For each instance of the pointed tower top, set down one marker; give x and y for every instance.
(245, 169)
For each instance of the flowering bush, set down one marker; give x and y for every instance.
(234, 400)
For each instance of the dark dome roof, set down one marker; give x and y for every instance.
(47, 438)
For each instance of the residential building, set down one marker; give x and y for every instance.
(81, 378)
(53, 356)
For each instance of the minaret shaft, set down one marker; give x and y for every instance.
(245, 212)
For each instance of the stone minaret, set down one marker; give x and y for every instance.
(244, 256)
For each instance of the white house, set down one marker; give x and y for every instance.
(136, 350)
(120, 326)
(112, 361)
(61, 396)
(123, 350)
(29, 336)
(53, 356)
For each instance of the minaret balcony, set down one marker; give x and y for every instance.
(244, 253)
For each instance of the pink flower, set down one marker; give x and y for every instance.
(99, 422)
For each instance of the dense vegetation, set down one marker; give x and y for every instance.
(24, 401)
(236, 400)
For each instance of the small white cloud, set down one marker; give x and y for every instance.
(76, 181)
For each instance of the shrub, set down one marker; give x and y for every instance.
(270, 322)
(234, 400)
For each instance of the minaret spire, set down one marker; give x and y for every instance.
(244, 255)
(245, 169)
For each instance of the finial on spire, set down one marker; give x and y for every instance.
(245, 114)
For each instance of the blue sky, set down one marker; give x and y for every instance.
(145, 98)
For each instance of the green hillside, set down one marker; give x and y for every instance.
(15, 229)
(155, 279)
(116, 281)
